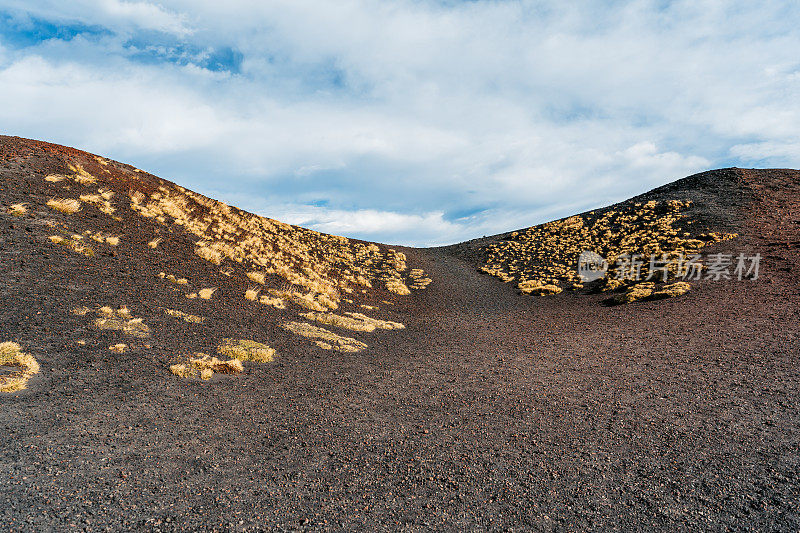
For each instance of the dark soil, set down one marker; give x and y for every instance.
(490, 410)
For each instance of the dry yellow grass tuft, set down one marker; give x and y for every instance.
(120, 320)
(538, 287)
(206, 294)
(90, 198)
(118, 348)
(155, 242)
(232, 366)
(251, 294)
(258, 277)
(186, 317)
(611, 284)
(65, 205)
(246, 350)
(173, 278)
(636, 292)
(81, 176)
(205, 366)
(353, 321)
(17, 210)
(397, 286)
(101, 237)
(331, 319)
(11, 355)
(277, 303)
(99, 200)
(647, 290)
(55, 178)
(672, 290)
(379, 324)
(306, 301)
(209, 254)
(183, 371)
(74, 243)
(324, 338)
(418, 279)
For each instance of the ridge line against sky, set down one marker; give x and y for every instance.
(409, 121)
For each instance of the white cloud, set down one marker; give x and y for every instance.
(391, 227)
(399, 115)
(119, 15)
(145, 15)
(645, 155)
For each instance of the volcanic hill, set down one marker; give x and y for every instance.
(169, 362)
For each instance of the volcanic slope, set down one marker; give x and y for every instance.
(179, 364)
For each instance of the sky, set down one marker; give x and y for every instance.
(416, 122)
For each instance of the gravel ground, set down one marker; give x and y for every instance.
(489, 411)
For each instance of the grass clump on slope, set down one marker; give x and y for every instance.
(11, 355)
(323, 338)
(246, 350)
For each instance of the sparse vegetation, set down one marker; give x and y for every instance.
(101, 237)
(209, 254)
(119, 320)
(246, 350)
(17, 210)
(118, 348)
(318, 267)
(353, 321)
(543, 259)
(74, 243)
(186, 317)
(81, 176)
(205, 366)
(306, 301)
(206, 294)
(379, 324)
(258, 277)
(397, 286)
(533, 286)
(324, 338)
(99, 200)
(155, 242)
(277, 303)
(11, 356)
(672, 290)
(647, 290)
(173, 278)
(418, 279)
(636, 292)
(65, 205)
(331, 319)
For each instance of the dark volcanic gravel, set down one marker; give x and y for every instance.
(489, 411)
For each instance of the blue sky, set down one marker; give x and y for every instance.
(409, 121)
